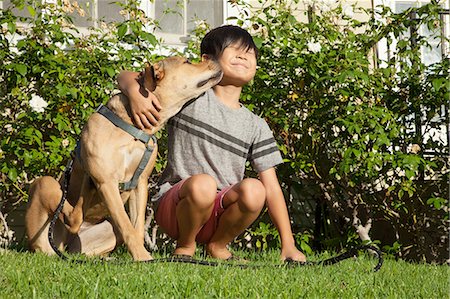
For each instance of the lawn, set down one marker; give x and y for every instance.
(26, 275)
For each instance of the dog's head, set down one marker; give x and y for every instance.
(175, 80)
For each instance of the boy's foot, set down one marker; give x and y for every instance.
(184, 250)
(222, 254)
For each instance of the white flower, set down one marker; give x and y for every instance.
(413, 148)
(336, 130)
(65, 143)
(126, 46)
(8, 128)
(347, 11)
(314, 47)
(7, 112)
(37, 103)
(201, 24)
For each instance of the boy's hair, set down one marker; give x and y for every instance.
(216, 40)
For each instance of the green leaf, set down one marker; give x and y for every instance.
(12, 174)
(111, 72)
(150, 38)
(31, 10)
(11, 27)
(122, 30)
(21, 69)
(437, 83)
(258, 41)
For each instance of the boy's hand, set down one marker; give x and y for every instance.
(145, 110)
(143, 104)
(292, 253)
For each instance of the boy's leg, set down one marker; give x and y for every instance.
(196, 201)
(243, 204)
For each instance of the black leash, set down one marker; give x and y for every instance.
(65, 187)
(352, 252)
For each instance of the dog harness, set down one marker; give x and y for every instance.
(138, 135)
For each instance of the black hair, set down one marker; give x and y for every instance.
(216, 40)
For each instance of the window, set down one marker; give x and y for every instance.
(177, 17)
(439, 48)
(434, 128)
(85, 13)
(97, 10)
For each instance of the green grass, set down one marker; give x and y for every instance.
(26, 275)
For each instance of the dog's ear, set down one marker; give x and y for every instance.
(149, 77)
(158, 69)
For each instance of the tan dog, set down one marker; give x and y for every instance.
(94, 220)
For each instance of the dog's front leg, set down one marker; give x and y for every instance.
(138, 205)
(74, 217)
(132, 238)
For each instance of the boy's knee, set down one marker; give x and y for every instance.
(252, 194)
(201, 189)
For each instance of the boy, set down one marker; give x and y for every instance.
(204, 195)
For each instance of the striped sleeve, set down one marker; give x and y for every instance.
(264, 152)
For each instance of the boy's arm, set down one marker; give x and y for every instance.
(144, 109)
(279, 214)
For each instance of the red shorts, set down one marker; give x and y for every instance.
(166, 216)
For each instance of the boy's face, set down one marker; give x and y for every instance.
(238, 65)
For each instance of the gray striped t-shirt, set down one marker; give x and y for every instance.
(207, 136)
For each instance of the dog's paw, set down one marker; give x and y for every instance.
(142, 256)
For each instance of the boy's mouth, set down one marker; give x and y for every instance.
(240, 65)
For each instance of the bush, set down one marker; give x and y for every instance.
(354, 134)
(54, 78)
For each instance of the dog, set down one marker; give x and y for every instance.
(94, 220)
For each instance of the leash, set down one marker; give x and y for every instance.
(353, 252)
(65, 188)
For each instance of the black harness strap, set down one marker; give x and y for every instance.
(138, 135)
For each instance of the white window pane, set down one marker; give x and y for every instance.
(169, 13)
(109, 11)
(83, 20)
(402, 6)
(208, 10)
(18, 12)
(431, 55)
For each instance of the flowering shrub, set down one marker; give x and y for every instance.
(54, 78)
(354, 135)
